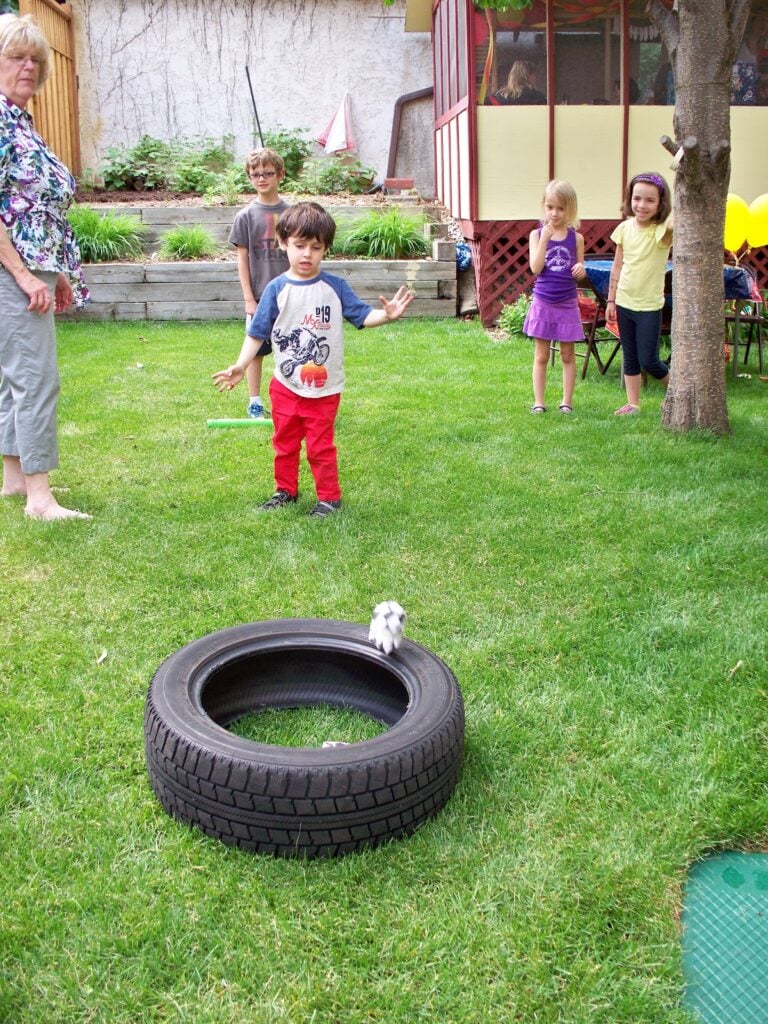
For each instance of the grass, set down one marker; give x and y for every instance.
(596, 584)
(188, 242)
(109, 236)
(383, 236)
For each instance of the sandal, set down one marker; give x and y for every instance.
(564, 407)
(538, 408)
(628, 410)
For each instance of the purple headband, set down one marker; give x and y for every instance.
(652, 179)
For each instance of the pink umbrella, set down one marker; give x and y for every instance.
(338, 137)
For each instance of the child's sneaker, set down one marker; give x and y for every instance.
(324, 508)
(278, 500)
(256, 410)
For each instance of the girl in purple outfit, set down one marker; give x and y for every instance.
(557, 260)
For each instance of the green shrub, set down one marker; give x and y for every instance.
(512, 318)
(197, 165)
(383, 236)
(188, 242)
(228, 187)
(146, 166)
(108, 236)
(330, 176)
(186, 165)
(292, 148)
(189, 175)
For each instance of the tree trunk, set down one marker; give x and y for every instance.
(702, 38)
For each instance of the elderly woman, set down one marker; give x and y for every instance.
(39, 274)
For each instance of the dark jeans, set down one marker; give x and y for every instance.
(640, 333)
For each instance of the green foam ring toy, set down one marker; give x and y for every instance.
(250, 422)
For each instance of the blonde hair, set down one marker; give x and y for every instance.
(520, 77)
(264, 157)
(566, 194)
(22, 34)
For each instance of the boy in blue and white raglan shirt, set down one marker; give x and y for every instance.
(302, 312)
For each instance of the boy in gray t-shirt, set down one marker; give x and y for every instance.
(259, 257)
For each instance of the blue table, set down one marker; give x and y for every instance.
(737, 284)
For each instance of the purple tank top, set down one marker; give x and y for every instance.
(555, 283)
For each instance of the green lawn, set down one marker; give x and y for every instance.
(596, 584)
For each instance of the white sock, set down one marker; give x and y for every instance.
(255, 398)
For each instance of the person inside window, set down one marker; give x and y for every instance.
(520, 88)
(745, 81)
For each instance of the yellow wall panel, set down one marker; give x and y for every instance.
(645, 152)
(464, 164)
(512, 161)
(588, 154)
(749, 152)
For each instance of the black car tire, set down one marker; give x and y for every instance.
(311, 802)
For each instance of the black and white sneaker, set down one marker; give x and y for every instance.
(278, 500)
(324, 508)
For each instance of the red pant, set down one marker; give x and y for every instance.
(296, 419)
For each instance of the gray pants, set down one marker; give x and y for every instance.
(29, 378)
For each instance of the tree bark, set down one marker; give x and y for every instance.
(702, 38)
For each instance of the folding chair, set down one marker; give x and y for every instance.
(744, 305)
(593, 318)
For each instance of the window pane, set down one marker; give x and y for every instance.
(511, 56)
(649, 67)
(587, 56)
(748, 84)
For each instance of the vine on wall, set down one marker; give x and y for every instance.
(496, 5)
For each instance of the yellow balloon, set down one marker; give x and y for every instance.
(757, 232)
(736, 222)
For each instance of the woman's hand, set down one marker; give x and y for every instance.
(37, 291)
(63, 295)
(225, 380)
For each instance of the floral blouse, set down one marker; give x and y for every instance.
(35, 191)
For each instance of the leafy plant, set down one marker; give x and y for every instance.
(188, 242)
(189, 175)
(512, 318)
(331, 176)
(228, 187)
(388, 236)
(292, 147)
(108, 236)
(146, 166)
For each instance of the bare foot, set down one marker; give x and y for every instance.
(12, 491)
(51, 513)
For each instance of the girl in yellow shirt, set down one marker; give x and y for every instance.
(636, 286)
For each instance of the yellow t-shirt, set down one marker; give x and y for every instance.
(641, 282)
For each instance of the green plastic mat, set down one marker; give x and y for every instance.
(725, 939)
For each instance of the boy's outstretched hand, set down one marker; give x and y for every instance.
(395, 307)
(225, 380)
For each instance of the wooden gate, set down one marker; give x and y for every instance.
(55, 106)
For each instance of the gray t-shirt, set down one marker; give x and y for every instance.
(254, 230)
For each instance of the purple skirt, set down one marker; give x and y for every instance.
(554, 321)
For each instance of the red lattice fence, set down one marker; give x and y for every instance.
(500, 257)
(502, 271)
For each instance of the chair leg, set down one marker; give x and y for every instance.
(735, 343)
(760, 345)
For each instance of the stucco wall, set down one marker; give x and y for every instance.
(176, 69)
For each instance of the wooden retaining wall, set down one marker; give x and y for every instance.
(158, 218)
(211, 290)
